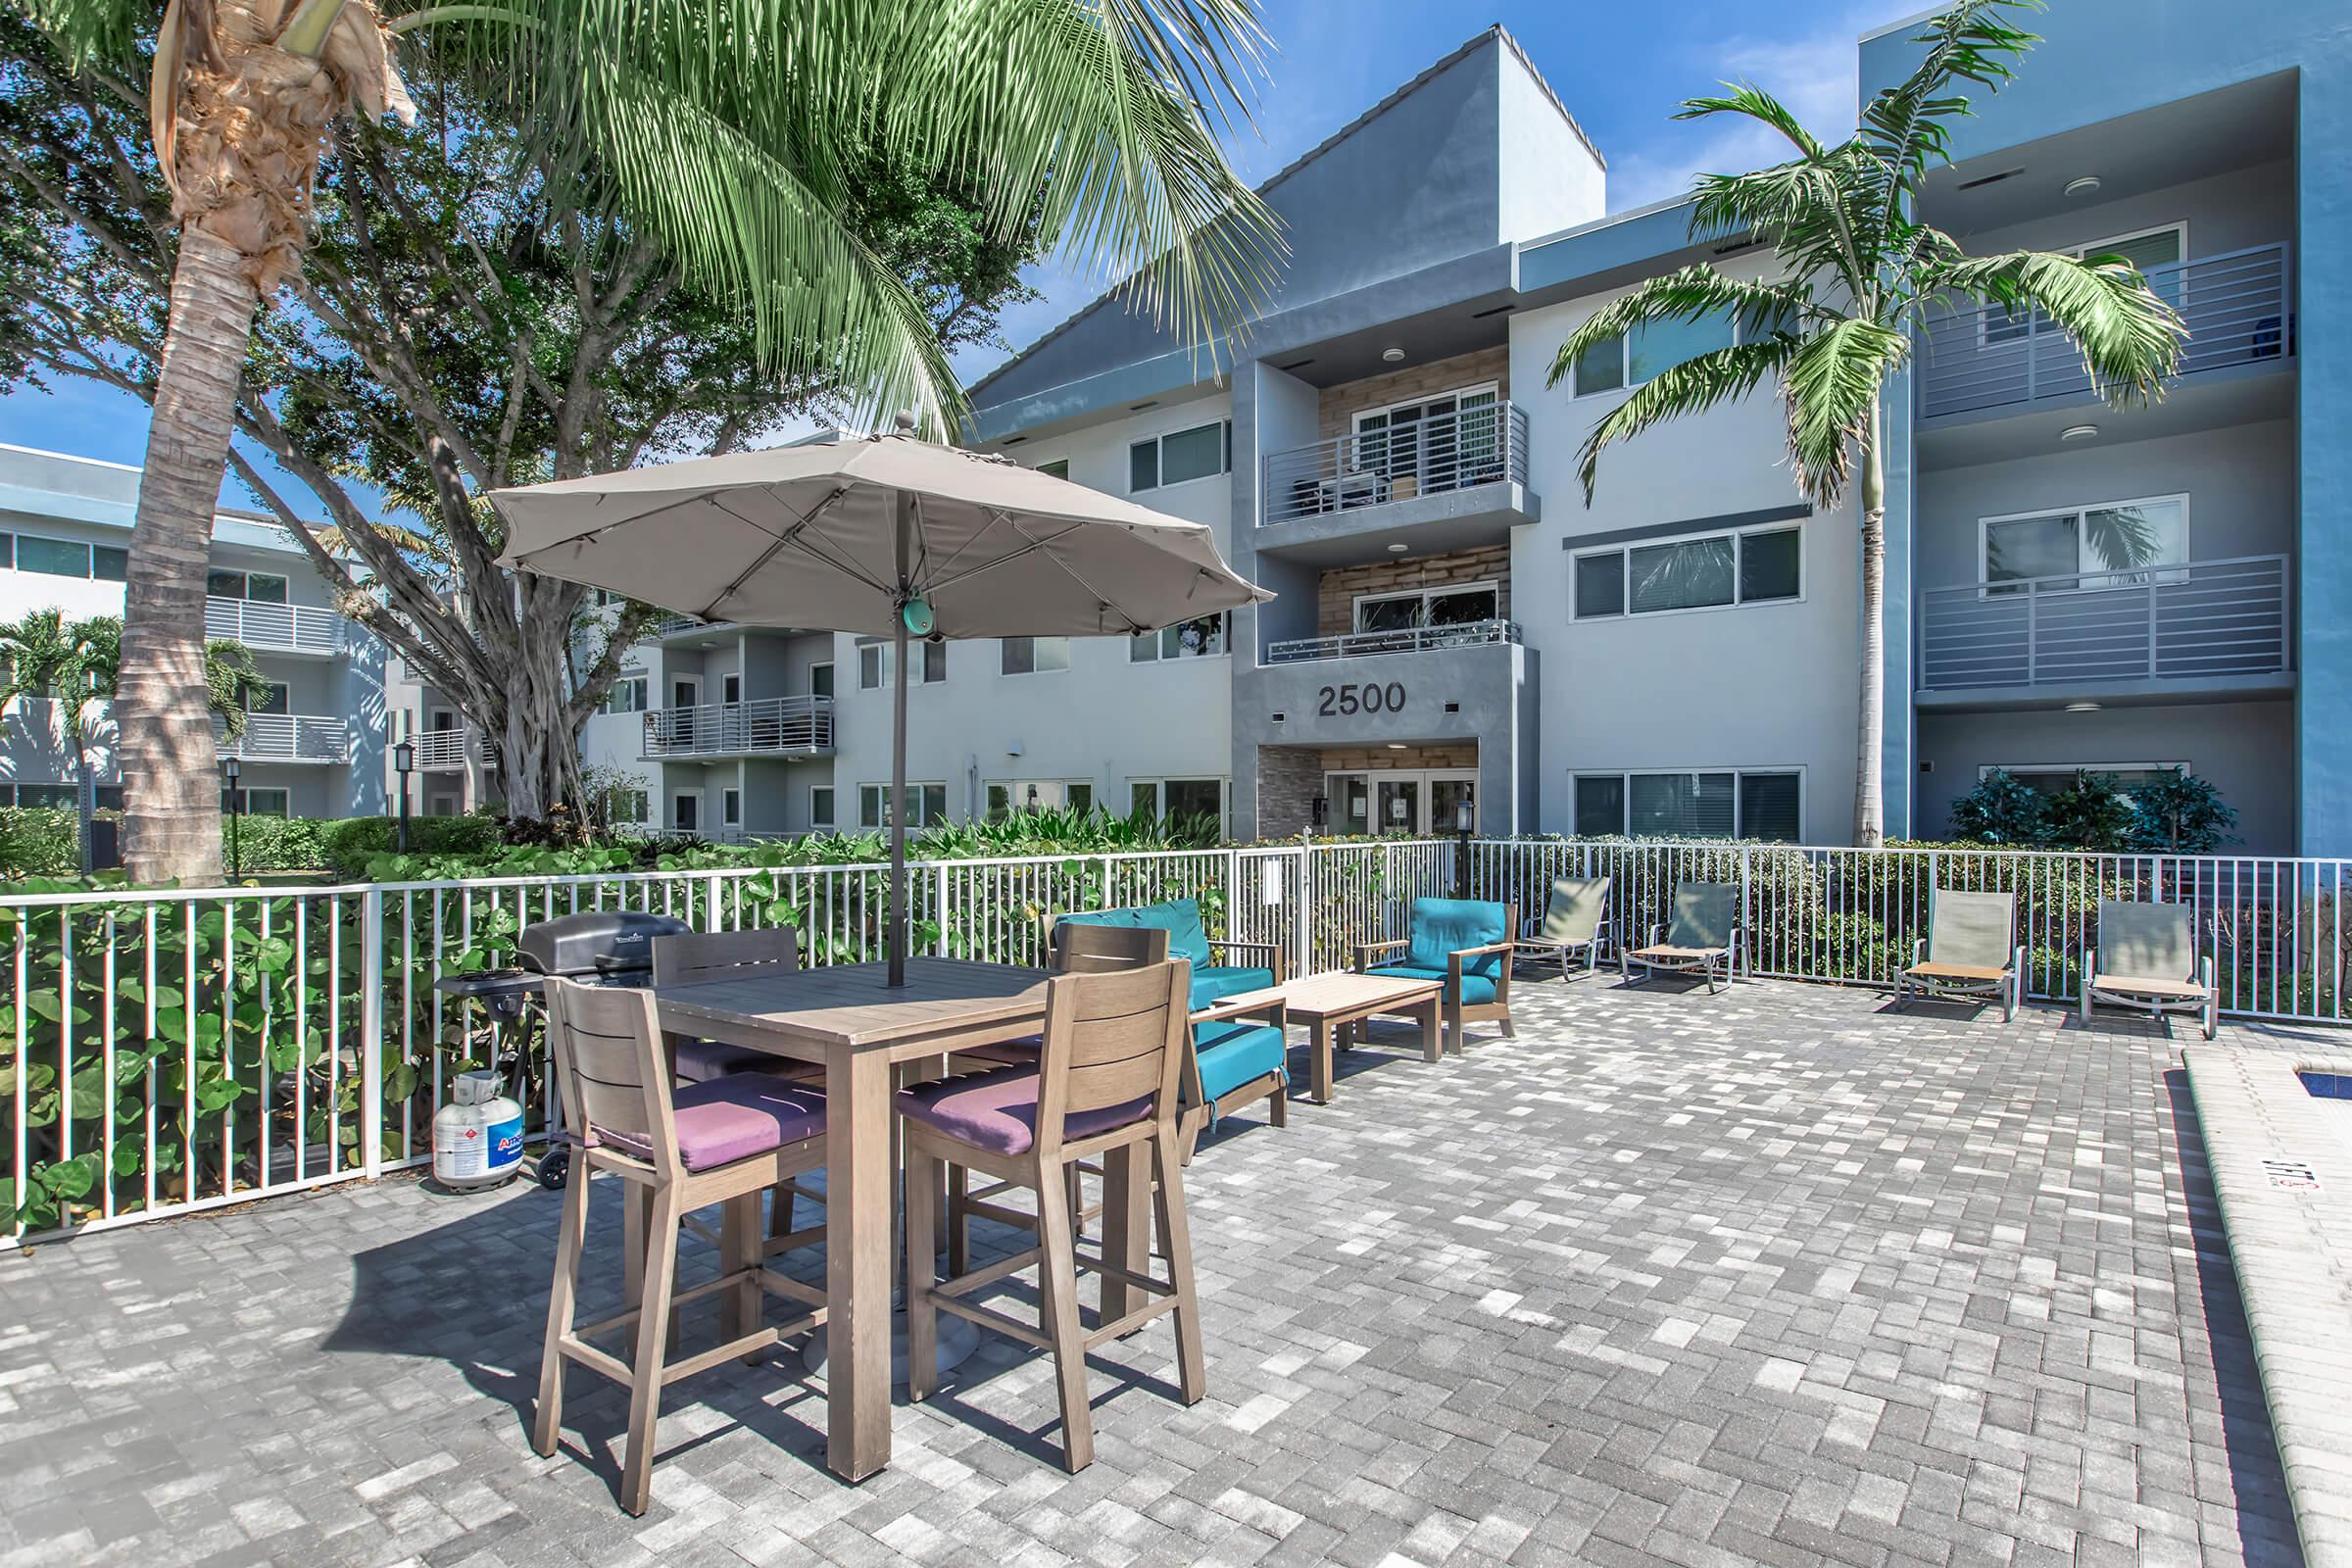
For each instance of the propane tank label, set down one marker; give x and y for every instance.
(464, 1152)
(506, 1143)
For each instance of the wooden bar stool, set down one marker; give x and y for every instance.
(1077, 949)
(1105, 1084)
(723, 1141)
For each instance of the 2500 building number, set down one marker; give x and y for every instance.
(1371, 697)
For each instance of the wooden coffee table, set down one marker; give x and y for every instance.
(1330, 1005)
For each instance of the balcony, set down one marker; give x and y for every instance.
(773, 726)
(1374, 644)
(277, 628)
(2206, 630)
(446, 751)
(289, 738)
(2235, 307)
(1448, 482)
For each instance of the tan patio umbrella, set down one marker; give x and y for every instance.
(877, 535)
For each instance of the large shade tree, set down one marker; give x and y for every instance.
(468, 316)
(729, 132)
(1855, 267)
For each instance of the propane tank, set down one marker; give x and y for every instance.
(477, 1136)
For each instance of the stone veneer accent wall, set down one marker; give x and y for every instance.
(1289, 778)
(1335, 593)
(1339, 403)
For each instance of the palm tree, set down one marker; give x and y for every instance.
(1856, 268)
(724, 130)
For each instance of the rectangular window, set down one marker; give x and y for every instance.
(1179, 456)
(2111, 544)
(2055, 778)
(927, 804)
(935, 663)
(1663, 345)
(873, 666)
(110, 796)
(820, 806)
(1174, 798)
(1688, 574)
(1707, 572)
(109, 563)
(251, 802)
(730, 688)
(625, 806)
(1465, 605)
(266, 697)
(1004, 798)
(265, 589)
(219, 584)
(53, 558)
(1766, 805)
(1206, 637)
(8, 550)
(1035, 656)
(48, 794)
(1600, 367)
(631, 693)
(820, 679)
(1057, 467)
(730, 808)
(1600, 585)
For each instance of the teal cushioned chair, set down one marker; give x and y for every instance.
(1235, 1061)
(1464, 943)
(1189, 940)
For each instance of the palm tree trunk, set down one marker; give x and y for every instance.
(1870, 807)
(171, 789)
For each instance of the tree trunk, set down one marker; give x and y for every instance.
(171, 783)
(1870, 807)
(539, 753)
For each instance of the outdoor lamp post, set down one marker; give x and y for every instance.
(1465, 823)
(230, 769)
(404, 760)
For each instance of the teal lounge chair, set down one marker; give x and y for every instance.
(1189, 941)
(1465, 943)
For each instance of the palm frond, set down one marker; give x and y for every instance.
(1970, 42)
(1745, 98)
(2128, 337)
(1688, 293)
(1697, 384)
(1818, 213)
(84, 30)
(1832, 385)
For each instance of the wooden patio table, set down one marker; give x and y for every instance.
(1333, 1004)
(846, 1018)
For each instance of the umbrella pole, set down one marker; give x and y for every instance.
(904, 551)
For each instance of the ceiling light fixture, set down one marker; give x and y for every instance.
(2077, 432)
(1396, 746)
(1391, 354)
(2081, 708)
(1395, 550)
(2088, 185)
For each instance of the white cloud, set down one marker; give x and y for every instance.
(1813, 74)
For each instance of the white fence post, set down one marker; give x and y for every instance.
(371, 1032)
(712, 917)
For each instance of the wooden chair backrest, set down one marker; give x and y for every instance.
(1083, 948)
(1110, 1036)
(606, 1043)
(701, 955)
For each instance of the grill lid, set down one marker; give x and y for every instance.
(596, 942)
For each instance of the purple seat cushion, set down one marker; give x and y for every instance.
(732, 1118)
(997, 1110)
(1011, 1053)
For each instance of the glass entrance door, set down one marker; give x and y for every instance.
(1446, 791)
(1398, 800)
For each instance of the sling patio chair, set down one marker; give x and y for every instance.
(1704, 937)
(2147, 959)
(1576, 919)
(1971, 953)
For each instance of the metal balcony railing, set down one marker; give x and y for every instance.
(2234, 306)
(287, 628)
(1410, 640)
(668, 625)
(445, 750)
(769, 725)
(287, 738)
(1473, 446)
(2204, 621)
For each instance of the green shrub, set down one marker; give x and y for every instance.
(39, 841)
(2180, 814)
(354, 845)
(2000, 810)
(2087, 814)
(278, 843)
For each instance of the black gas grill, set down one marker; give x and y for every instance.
(600, 946)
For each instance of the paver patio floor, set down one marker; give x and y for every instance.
(1771, 1277)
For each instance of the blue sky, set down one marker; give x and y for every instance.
(1621, 71)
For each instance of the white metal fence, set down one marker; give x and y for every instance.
(171, 1051)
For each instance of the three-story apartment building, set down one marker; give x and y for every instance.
(2070, 585)
(314, 742)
